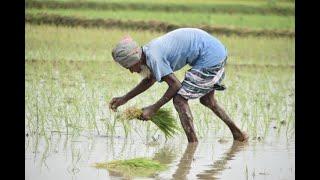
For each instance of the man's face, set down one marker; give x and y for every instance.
(141, 69)
(135, 68)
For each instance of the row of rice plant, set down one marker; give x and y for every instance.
(280, 3)
(73, 101)
(181, 18)
(80, 44)
(253, 7)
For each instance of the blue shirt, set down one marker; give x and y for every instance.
(172, 51)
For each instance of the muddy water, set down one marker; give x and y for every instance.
(62, 156)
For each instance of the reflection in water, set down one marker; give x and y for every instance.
(220, 165)
(184, 165)
(165, 155)
(71, 157)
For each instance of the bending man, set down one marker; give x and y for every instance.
(161, 57)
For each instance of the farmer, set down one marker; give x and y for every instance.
(157, 61)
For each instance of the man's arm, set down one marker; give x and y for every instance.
(174, 85)
(145, 84)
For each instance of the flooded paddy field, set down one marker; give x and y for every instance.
(69, 126)
(70, 78)
(215, 157)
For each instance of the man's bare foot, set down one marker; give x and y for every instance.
(243, 137)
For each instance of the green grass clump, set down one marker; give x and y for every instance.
(133, 167)
(163, 119)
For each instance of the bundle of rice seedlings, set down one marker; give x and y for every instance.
(163, 119)
(133, 167)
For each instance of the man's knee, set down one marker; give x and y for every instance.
(208, 102)
(178, 99)
(205, 101)
(182, 106)
(180, 102)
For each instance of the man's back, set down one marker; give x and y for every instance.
(177, 48)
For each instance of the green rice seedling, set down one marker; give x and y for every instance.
(133, 167)
(163, 119)
(126, 127)
(60, 65)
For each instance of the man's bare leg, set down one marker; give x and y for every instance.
(209, 101)
(185, 116)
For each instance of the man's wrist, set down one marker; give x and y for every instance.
(161, 102)
(125, 98)
(156, 107)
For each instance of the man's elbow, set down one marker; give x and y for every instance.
(176, 86)
(172, 82)
(149, 80)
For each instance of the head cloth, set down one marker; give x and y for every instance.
(127, 52)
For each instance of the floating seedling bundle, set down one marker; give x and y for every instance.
(163, 119)
(133, 167)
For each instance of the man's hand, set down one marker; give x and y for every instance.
(148, 112)
(116, 102)
(145, 84)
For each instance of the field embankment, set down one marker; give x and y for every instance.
(146, 25)
(248, 21)
(168, 7)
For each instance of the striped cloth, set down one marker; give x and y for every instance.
(199, 82)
